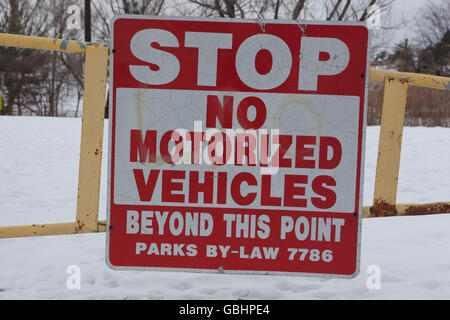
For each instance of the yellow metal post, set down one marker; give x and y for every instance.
(391, 131)
(96, 59)
(95, 72)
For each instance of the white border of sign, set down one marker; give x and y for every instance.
(241, 272)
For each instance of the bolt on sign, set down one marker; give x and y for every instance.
(236, 146)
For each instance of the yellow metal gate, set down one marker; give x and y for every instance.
(96, 63)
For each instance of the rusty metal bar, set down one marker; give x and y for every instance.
(413, 79)
(423, 208)
(411, 209)
(391, 131)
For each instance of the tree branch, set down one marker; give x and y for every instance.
(297, 9)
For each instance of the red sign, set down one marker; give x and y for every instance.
(236, 146)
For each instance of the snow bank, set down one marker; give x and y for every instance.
(38, 184)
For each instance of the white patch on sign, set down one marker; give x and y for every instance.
(291, 114)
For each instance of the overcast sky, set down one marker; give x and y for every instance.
(409, 10)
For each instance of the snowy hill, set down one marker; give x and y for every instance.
(38, 184)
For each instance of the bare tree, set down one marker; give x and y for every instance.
(433, 23)
(342, 10)
(104, 10)
(37, 82)
(382, 35)
(19, 65)
(60, 72)
(250, 9)
(434, 39)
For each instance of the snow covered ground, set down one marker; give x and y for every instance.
(38, 184)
